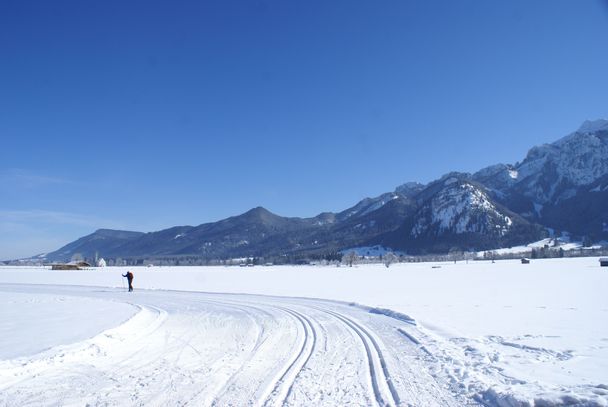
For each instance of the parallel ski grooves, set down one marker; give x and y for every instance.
(377, 377)
(283, 386)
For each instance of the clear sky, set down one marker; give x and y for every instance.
(142, 115)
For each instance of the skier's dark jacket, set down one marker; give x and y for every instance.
(129, 276)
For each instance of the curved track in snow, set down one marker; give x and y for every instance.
(199, 349)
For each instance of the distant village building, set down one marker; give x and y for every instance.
(604, 261)
(101, 262)
(71, 266)
(525, 261)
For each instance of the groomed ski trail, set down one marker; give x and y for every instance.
(203, 349)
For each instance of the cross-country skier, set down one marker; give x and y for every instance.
(129, 277)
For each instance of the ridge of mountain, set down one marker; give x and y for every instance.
(551, 172)
(558, 187)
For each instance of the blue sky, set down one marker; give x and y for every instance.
(142, 115)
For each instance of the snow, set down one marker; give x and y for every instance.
(554, 243)
(575, 160)
(37, 320)
(534, 162)
(513, 174)
(502, 333)
(579, 157)
(454, 209)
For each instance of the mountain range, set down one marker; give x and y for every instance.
(557, 188)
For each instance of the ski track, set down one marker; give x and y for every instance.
(378, 377)
(283, 386)
(197, 349)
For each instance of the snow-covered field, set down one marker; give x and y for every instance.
(481, 333)
(563, 243)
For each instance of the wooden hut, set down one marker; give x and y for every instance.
(71, 266)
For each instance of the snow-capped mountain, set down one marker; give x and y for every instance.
(554, 177)
(584, 215)
(460, 207)
(552, 172)
(558, 187)
(457, 212)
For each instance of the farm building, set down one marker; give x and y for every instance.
(604, 261)
(71, 266)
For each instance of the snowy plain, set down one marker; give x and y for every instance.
(480, 333)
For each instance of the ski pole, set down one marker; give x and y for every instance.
(123, 281)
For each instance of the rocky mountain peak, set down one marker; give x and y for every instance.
(549, 172)
(497, 177)
(593, 126)
(260, 214)
(499, 205)
(460, 207)
(409, 189)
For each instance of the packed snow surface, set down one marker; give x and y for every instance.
(421, 334)
(47, 320)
